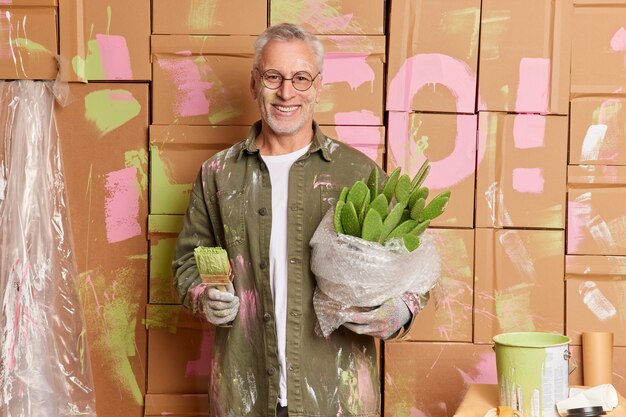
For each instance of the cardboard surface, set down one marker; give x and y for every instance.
(105, 40)
(202, 80)
(209, 17)
(28, 44)
(103, 134)
(29, 3)
(598, 131)
(596, 296)
(368, 139)
(480, 398)
(176, 156)
(598, 49)
(430, 379)
(448, 141)
(595, 222)
(353, 81)
(179, 352)
(448, 315)
(525, 56)
(433, 55)
(518, 282)
(345, 17)
(162, 233)
(177, 405)
(521, 177)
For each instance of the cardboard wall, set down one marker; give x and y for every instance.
(519, 106)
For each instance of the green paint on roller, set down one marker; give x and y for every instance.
(532, 371)
(30, 46)
(110, 109)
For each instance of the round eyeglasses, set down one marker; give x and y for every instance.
(273, 79)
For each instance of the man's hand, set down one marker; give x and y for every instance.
(219, 307)
(383, 321)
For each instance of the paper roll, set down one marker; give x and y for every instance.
(597, 358)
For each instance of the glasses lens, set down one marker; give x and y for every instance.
(302, 81)
(272, 79)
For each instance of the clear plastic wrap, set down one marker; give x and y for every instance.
(44, 361)
(354, 274)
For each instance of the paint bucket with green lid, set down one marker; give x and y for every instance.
(532, 371)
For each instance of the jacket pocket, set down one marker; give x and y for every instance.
(231, 204)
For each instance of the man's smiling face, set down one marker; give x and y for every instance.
(286, 111)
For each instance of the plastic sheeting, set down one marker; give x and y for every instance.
(353, 274)
(45, 369)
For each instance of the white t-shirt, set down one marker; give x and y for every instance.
(278, 167)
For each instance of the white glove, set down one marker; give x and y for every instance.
(383, 321)
(219, 307)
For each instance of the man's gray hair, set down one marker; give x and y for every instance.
(288, 32)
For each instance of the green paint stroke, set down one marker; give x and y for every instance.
(201, 15)
(287, 10)
(513, 308)
(111, 310)
(110, 109)
(108, 20)
(138, 159)
(161, 256)
(226, 113)
(166, 195)
(606, 112)
(91, 67)
(30, 46)
(163, 317)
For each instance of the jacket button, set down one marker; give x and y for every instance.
(267, 317)
(262, 211)
(294, 260)
(263, 264)
(271, 371)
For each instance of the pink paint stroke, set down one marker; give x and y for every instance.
(191, 99)
(533, 90)
(357, 118)
(115, 57)
(6, 52)
(338, 23)
(248, 310)
(366, 389)
(202, 366)
(529, 131)
(121, 205)
(350, 67)
(528, 180)
(618, 41)
(449, 171)
(425, 69)
(367, 139)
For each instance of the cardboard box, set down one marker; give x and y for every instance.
(179, 352)
(209, 17)
(595, 219)
(353, 81)
(521, 176)
(104, 136)
(619, 374)
(105, 40)
(176, 156)
(177, 405)
(449, 142)
(430, 379)
(598, 48)
(202, 80)
(518, 282)
(368, 139)
(525, 56)
(28, 44)
(480, 398)
(9, 3)
(596, 296)
(433, 55)
(162, 233)
(598, 131)
(345, 17)
(448, 315)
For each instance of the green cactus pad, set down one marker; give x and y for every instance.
(392, 220)
(343, 194)
(372, 226)
(372, 183)
(418, 193)
(381, 205)
(403, 188)
(420, 228)
(421, 175)
(402, 229)
(357, 195)
(390, 185)
(350, 220)
(411, 242)
(337, 216)
(418, 208)
(436, 207)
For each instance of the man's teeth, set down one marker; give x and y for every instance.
(286, 108)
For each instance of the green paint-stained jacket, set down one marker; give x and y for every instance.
(230, 206)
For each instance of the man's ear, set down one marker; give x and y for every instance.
(253, 86)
